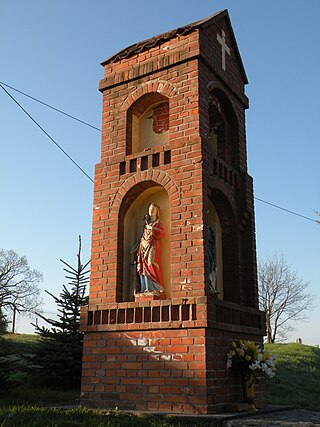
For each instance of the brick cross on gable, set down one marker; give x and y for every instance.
(224, 48)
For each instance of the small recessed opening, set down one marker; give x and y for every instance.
(113, 317)
(185, 312)
(147, 314)
(165, 313)
(144, 163)
(130, 315)
(138, 315)
(90, 318)
(167, 157)
(121, 315)
(133, 165)
(105, 314)
(122, 168)
(174, 312)
(155, 160)
(156, 314)
(97, 315)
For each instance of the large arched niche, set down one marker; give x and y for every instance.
(223, 127)
(131, 230)
(221, 214)
(147, 123)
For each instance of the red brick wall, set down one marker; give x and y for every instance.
(170, 355)
(160, 118)
(181, 177)
(230, 189)
(188, 86)
(174, 362)
(161, 370)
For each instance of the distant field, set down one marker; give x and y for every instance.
(20, 341)
(297, 380)
(17, 346)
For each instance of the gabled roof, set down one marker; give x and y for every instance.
(156, 40)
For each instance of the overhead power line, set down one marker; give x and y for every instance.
(50, 106)
(287, 210)
(46, 133)
(87, 124)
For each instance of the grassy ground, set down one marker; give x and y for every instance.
(28, 416)
(26, 392)
(296, 383)
(28, 405)
(297, 380)
(17, 346)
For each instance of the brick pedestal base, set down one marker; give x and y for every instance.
(149, 296)
(164, 356)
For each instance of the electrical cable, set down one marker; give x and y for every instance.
(287, 210)
(50, 106)
(46, 133)
(87, 124)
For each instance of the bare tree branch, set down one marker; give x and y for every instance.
(282, 296)
(18, 283)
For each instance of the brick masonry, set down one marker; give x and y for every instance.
(170, 355)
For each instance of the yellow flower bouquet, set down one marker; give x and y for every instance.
(246, 356)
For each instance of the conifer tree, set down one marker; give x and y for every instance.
(8, 367)
(3, 323)
(57, 358)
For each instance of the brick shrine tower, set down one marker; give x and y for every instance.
(173, 132)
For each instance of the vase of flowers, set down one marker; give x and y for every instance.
(247, 382)
(247, 359)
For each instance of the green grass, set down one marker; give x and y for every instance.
(296, 383)
(39, 396)
(18, 346)
(21, 339)
(27, 392)
(39, 417)
(297, 380)
(31, 405)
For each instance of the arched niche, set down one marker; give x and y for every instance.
(147, 123)
(215, 252)
(223, 127)
(133, 224)
(221, 211)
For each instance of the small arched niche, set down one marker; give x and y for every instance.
(132, 231)
(223, 128)
(147, 123)
(215, 252)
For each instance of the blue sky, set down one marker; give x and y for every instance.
(52, 50)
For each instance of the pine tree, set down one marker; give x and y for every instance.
(8, 367)
(3, 323)
(57, 358)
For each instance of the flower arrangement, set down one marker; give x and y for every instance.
(246, 356)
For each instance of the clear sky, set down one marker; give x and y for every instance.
(52, 50)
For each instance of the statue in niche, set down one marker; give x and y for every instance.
(149, 252)
(212, 261)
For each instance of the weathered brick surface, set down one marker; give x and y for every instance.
(170, 355)
(178, 370)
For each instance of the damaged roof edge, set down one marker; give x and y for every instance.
(153, 41)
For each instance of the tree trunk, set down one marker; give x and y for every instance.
(268, 328)
(14, 320)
